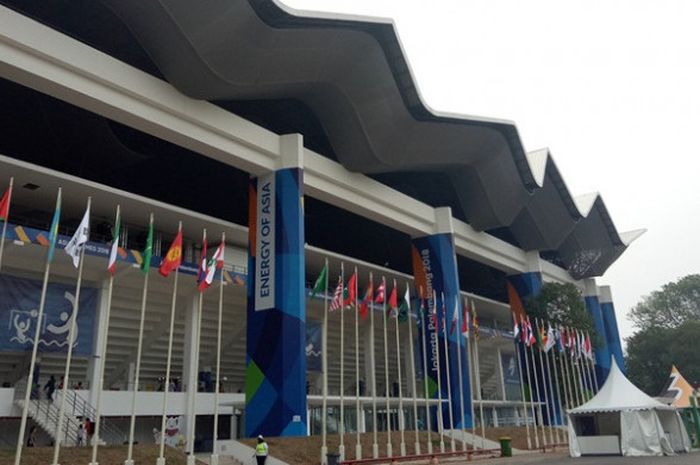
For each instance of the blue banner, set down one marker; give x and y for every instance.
(19, 308)
(314, 352)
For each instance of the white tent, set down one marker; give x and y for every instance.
(622, 420)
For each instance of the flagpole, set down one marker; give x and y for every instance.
(389, 446)
(594, 388)
(324, 353)
(459, 373)
(563, 356)
(595, 375)
(341, 428)
(522, 384)
(562, 415)
(441, 429)
(198, 338)
(447, 374)
(544, 385)
(103, 355)
(582, 374)
(373, 374)
(554, 395)
(478, 379)
(7, 218)
(539, 397)
(215, 456)
(412, 361)
(358, 445)
(35, 345)
(472, 389)
(132, 423)
(424, 327)
(69, 356)
(400, 416)
(572, 376)
(529, 385)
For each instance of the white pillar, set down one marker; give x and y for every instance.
(97, 357)
(189, 371)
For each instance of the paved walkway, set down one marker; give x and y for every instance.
(562, 458)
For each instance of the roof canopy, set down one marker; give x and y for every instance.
(619, 394)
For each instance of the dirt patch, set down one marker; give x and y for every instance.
(107, 455)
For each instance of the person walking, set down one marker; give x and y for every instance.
(261, 450)
(50, 388)
(31, 439)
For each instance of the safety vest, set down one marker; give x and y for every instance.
(261, 449)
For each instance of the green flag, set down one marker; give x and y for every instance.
(321, 282)
(405, 307)
(148, 250)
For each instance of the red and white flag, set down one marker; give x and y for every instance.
(337, 302)
(114, 250)
(381, 293)
(465, 320)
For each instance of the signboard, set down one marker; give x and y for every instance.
(19, 311)
(265, 244)
(511, 376)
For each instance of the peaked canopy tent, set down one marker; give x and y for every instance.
(622, 420)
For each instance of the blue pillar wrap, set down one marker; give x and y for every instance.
(435, 269)
(602, 352)
(612, 336)
(275, 378)
(529, 285)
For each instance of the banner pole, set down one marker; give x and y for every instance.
(389, 447)
(412, 377)
(214, 455)
(7, 218)
(441, 426)
(373, 374)
(69, 355)
(324, 361)
(103, 361)
(35, 346)
(358, 422)
(424, 327)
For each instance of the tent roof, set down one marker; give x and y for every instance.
(618, 394)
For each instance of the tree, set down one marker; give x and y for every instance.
(562, 305)
(653, 351)
(676, 303)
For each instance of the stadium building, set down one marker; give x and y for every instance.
(303, 137)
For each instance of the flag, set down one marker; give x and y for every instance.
(561, 343)
(475, 323)
(538, 337)
(337, 301)
(53, 230)
(5, 203)
(173, 258)
(381, 293)
(529, 337)
(393, 303)
(366, 301)
(588, 347)
(77, 243)
(321, 282)
(455, 318)
(350, 292)
(516, 329)
(405, 306)
(148, 250)
(202, 273)
(551, 339)
(112, 264)
(465, 320)
(216, 262)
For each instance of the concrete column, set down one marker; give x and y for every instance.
(189, 371)
(276, 310)
(97, 358)
(602, 351)
(435, 269)
(612, 334)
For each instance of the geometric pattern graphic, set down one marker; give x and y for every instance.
(275, 383)
(435, 269)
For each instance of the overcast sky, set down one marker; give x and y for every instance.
(611, 87)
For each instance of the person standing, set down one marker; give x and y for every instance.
(261, 450)
(50, 388)
(31, 439)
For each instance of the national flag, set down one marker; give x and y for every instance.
(516, 329)
(77, 243)
(321, 283)
(114, 249)
(216, 262)
(538, 337)
(202, 272)
(366, 300)
(454, 322)
(337, 301)
(588, 347)
(148, 250)
(551, 339)
(405, 306)
(561, 342)
(393, 303)
(5, 203)
(350, 292)
(53, 229)
(173, 258)
(465, 320)
(475, 322)
(381, 293)
(529, 336)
